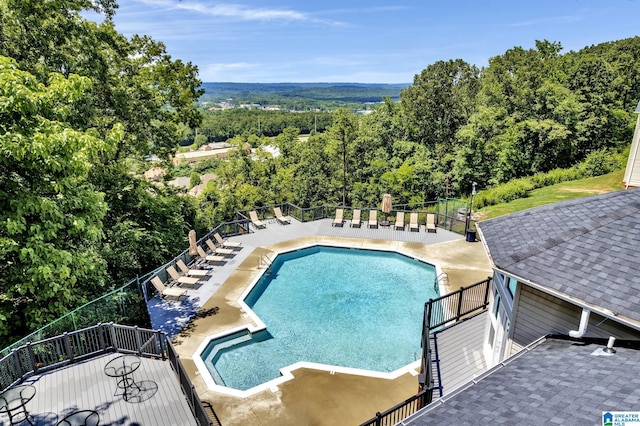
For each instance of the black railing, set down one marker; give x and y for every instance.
(449, 309)
(212, 414)
(69, 348)
(438, 312)
(401, 411)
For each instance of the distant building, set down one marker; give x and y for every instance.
(212, 150)
(155, 173)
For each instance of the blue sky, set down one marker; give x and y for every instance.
(371, 41)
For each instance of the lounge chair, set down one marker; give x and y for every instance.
(373, 218)
(338, 221)
(181, 280)
(413, 222)
(431, 223)
(400, 221)
(282, 220)
(255, 221)
(355, 221)
(218, 250)
(167, 291)
(191, 272)
(226, 243)
(209, 257)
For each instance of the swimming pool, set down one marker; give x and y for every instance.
(352, 308)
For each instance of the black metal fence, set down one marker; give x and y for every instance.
(437, 313)
(450, 212)
(125, 305)
(449, 309)
(401, 411)
(69, 348)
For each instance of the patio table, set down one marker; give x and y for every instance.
(122, 368)
(81, 418)
(13, 402)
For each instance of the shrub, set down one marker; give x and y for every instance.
(194, 180)
(601, 162)
(597, 163)
(517, 188)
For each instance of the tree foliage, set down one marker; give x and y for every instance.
(51, 216)
(93, 229)
(81, 107)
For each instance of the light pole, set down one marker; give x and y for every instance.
(473, 193)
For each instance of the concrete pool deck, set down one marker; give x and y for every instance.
(316, 397)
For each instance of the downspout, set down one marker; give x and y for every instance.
(584, 322)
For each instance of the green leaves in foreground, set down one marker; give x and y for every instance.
(50, 218)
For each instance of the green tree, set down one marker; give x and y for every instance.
(343, 132)
(194, 179)
(135, 83)
(439, 102)
(51, 216)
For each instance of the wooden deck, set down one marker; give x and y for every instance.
(85, 386)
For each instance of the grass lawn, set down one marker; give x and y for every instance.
(559, 192)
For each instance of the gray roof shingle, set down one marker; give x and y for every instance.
(557, 381)
(585, 248)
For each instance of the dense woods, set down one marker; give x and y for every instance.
(82, 106)
(301, 96)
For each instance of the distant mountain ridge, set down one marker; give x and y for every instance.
(279, 93)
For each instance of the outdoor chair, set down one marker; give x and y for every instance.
(180, 279)
(338, 221)
(226, 243)
(399, 221)
(218, 250)
(191, 272)
(413, 222)
(209, 257)
(373, 218)
(355, 221)
(255, 221)
(282, 220)
(431, 223)
(167, 291)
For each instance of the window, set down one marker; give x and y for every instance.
(511, 286)
(496, 305)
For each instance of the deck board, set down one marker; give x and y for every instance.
(85, 386)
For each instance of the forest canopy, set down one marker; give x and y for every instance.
(83, 107)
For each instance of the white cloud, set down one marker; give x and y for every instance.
(236, 11)
(551, 20)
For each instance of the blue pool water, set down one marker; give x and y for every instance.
(344, 307)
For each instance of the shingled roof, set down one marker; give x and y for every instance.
(586, 249)
(555, 382)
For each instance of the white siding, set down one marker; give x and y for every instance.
(538, 314)
(460, 349)
(632, 172)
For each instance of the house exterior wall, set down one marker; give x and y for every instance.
(520, 314)
(632, 171)
(537, 314)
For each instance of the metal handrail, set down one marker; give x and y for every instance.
(447, 309)
(401, 411)
(264, 260)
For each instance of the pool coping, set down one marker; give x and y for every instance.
(257, 325)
